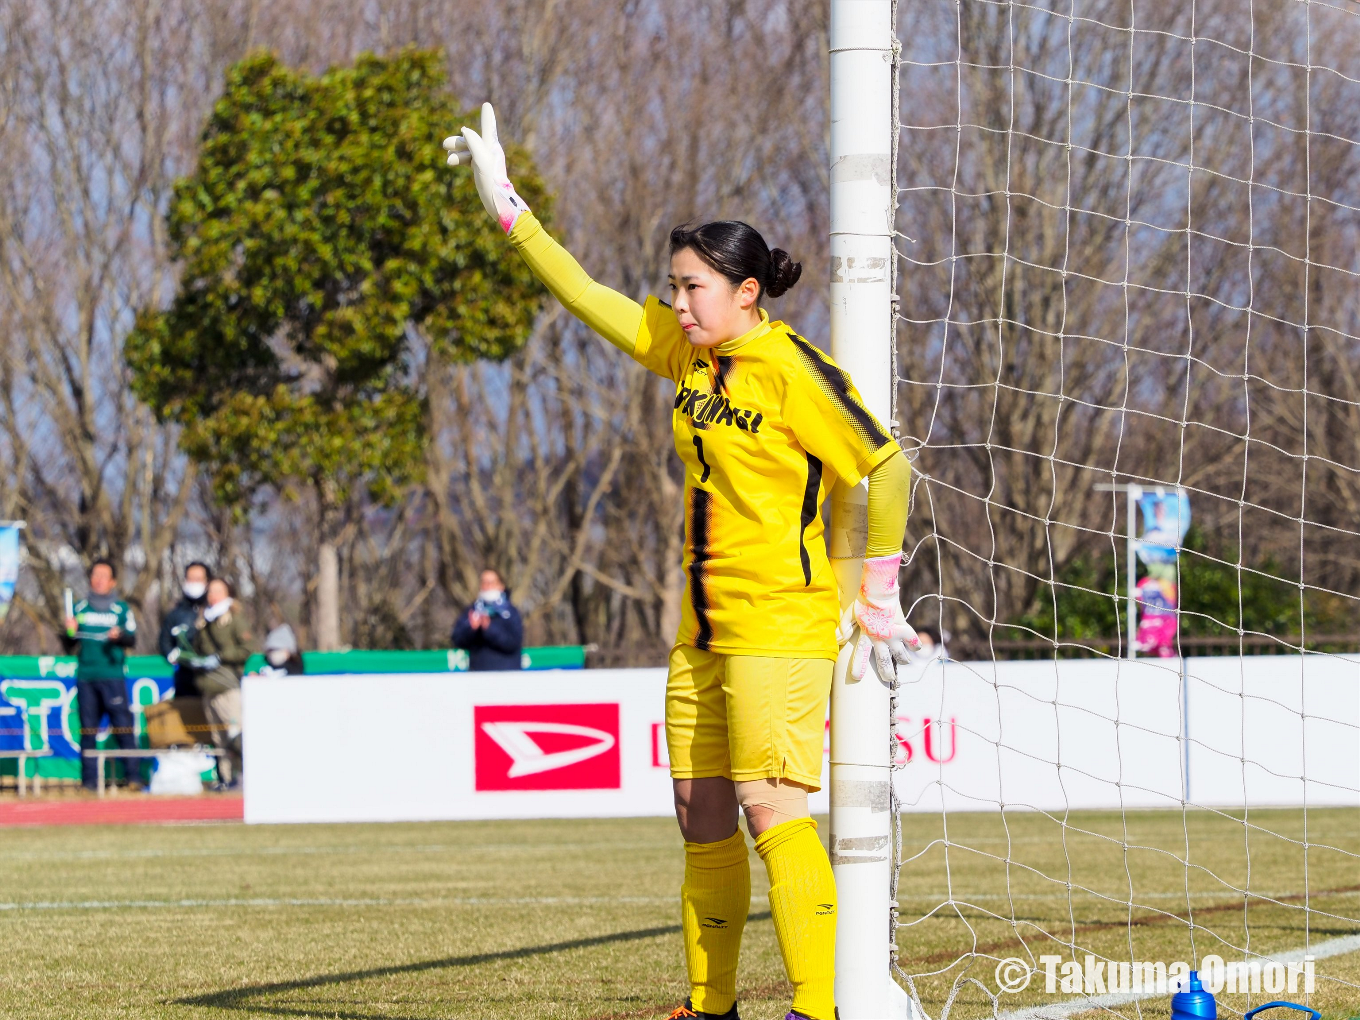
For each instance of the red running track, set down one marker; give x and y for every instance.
(133, 809)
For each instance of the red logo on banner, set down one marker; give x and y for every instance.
(546, 747)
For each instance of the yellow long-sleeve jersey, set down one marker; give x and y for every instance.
(765, 425)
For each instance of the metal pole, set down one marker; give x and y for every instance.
(1132, 493)
(862, 135)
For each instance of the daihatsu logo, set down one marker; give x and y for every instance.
(547, 747)
(530, 758)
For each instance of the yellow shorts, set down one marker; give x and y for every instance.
(746, 717)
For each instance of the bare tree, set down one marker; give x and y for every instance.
(1078, 241)
(91, 151)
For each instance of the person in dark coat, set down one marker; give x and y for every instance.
(179, 626)
(490, 630)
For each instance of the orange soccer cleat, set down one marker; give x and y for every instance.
(687, 1011)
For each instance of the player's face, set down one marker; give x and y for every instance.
(101, 580)
(709, 309)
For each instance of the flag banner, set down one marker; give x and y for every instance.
(1158, 600)
(9, 566)
(1166, 519)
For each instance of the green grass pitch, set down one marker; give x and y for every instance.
(579, 919)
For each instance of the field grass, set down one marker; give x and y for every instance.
(1118, 887)
(579, 919)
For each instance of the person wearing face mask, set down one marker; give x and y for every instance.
(281, 654)
(179, 627)
(222, 646)
(490, 630)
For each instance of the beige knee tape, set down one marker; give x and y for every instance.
(782, 800)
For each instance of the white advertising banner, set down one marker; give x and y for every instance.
(414, 747)
(1080, 734)
(1274, 729)
(1039, 735)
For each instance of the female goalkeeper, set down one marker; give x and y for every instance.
(765, 425)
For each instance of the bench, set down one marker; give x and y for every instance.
(100, 753)
(23, 756)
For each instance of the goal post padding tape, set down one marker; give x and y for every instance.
(1084, 734)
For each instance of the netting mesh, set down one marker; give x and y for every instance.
(1129, 255)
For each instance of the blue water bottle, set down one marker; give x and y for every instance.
(1194, 1003)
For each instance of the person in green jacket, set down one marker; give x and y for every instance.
(223, 644)
(100, 630)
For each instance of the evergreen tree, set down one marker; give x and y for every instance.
(324, 247)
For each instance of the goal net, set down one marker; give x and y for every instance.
(1128, 272)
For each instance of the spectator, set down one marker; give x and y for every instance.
(178, 628)
(490, 630)
(932, 645)
(100, 630)
(281, 653)
(223, 644)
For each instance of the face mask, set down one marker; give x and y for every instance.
(194, 590)
(492, 596)
(277, 656)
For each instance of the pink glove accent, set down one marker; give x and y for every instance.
(878, 595)
(508, 205)
(877, 615)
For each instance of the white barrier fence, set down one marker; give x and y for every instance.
(1103, 734)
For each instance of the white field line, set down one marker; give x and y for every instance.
(461, 848)
(1061, 893)
(266, 901)
(288, 851)
(1062, 1010)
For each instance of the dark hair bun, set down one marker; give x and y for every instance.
(738, 253)
(784, 272)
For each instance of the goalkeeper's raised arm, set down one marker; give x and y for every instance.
(609, 313)
(765, 425)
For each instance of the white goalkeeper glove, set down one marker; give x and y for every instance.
(876, 613)
(487, 157)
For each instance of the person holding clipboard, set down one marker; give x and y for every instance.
(100, 628)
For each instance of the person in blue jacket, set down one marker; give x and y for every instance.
(490, 629)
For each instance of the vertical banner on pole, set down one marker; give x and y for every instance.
(1166, 519)
(862, 138)
(9, 564)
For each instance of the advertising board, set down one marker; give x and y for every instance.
(1080, 734)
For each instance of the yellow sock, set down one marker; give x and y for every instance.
(803, 905)
(714, 902)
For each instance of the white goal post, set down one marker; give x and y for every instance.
(863, 135)
(1129, 236)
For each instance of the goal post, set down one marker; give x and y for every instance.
(862, 138)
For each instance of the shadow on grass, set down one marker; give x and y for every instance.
(242, 998)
